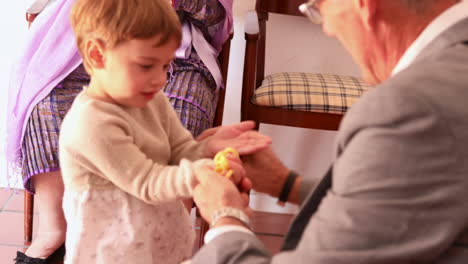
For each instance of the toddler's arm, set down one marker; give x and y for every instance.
(106, 149)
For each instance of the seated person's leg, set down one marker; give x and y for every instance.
(194, 98)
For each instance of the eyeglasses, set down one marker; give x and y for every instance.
(311, 10)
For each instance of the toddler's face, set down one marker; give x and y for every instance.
(136, 70)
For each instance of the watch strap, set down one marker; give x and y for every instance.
(287, 187)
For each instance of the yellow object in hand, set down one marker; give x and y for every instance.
(222, 163)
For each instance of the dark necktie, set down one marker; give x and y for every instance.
(307, 210)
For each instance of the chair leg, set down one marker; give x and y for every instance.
(204, 226)
(28, 217)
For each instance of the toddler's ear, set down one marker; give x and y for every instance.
(95, 53)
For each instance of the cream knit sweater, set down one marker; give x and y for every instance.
(124, 170)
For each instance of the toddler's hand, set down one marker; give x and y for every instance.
(228, 164)
(222, 163)
(232, 169)
(244, 142)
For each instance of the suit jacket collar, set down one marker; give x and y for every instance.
(440, 24)
(454, 35)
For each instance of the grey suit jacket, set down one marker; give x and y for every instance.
(400, 178)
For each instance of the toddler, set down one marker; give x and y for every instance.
(127, 161)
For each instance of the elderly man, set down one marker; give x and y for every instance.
(398, 189)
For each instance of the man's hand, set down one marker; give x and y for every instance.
(235, 164)
(236, 129)
(239, 136)
(266, 171)
(215, 192)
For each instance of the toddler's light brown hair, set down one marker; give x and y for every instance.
(115, 21)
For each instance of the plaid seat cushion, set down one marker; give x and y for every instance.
(313, 92)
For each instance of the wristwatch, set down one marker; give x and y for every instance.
(230, 212)
(287, 187)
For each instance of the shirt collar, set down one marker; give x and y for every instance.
(445, 20)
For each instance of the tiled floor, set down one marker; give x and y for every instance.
(11, 222)
(269, 227)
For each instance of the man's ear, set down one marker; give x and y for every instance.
(95, 53)
(368, 10)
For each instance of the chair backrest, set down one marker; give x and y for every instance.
(262, 8)
(319, 117)
(223, 58)
(290, 7)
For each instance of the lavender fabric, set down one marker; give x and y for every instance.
(208, 52)
(49, 54)
(223, 34)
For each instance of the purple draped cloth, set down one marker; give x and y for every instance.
(223, 34)
(208, 52)
(48, 56)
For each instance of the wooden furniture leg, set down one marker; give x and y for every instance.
(28, 217)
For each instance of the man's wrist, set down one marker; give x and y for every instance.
(287, 189)
(278, 183)
(223, 221)
(295, 192)
(230, 215)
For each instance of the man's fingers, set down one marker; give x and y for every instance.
(251, 134)
(245, 199)
(244, 126)
(233, 158)
(250, 142)
(252, 147)
(245, 185)
(239, 171)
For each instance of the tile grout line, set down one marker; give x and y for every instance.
(12, 245)
(17, 212)
(6, 202)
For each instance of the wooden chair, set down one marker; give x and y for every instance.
(307, 100)
(28, 217)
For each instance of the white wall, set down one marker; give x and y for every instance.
(297, 45)
(13, 27)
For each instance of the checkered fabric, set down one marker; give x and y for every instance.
(313, 92)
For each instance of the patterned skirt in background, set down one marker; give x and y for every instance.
(191, 88)
(40, 142)
(192, 92)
